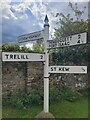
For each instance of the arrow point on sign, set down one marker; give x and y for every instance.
(83, 69)
(78, 41)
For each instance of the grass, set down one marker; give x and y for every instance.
(78, 109)
(65, 109)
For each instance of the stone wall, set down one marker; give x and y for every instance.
(21, 77)
(74, 81)
(35, 75)
(13, 78)
(25, 76)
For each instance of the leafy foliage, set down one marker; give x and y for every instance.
(53, 95)
(17, 48)
(36, 97)
(24, 100)
(38, 47)
(69, 95)
(14, 48)
(10, 47)
(68, 26)
(78, 13)
(75, 55)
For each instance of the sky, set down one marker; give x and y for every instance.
(20, 17)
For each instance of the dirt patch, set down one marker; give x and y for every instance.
(45, 116)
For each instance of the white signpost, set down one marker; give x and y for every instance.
(31, 37)
(46, 64)
(68, 69)
(68, 41)
(63, 42)
(10, 56)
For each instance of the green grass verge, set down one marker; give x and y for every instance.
(77, 109)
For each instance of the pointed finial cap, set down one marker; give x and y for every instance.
(46, 18)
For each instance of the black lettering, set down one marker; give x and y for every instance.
(54, 44)
(51, 69)
(60, 69)
(62, 44)
(83, 69)
(67, 38)
(65, 43)
(68, 43)
(27, 57)
(60, 40)
(59, 44)
(63, 69)
(23, 57)
(70, 37)
(41, 56)
(6, 56)
(54, 68)
(15, 57)
(79, 36)
(78, 41)
(67, 69)
(11, 56)
(18, 56)
(50, 45)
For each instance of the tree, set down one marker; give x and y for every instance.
(10, 47)
(15, 48)
(69, 26)
(38, 47)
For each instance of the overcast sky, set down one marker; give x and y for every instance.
(26, 16)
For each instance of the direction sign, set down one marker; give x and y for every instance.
(68, 69)
(9, 56)
(68, 41)
(31, 37)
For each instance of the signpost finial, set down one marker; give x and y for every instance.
(46, 18)
(46, 21)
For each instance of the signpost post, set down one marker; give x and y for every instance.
(48, 44)
(46, 64)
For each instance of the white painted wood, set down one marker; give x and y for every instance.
(68, 69)
(46, 75)
(77, 39)
(31, 37)
(11, 56)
